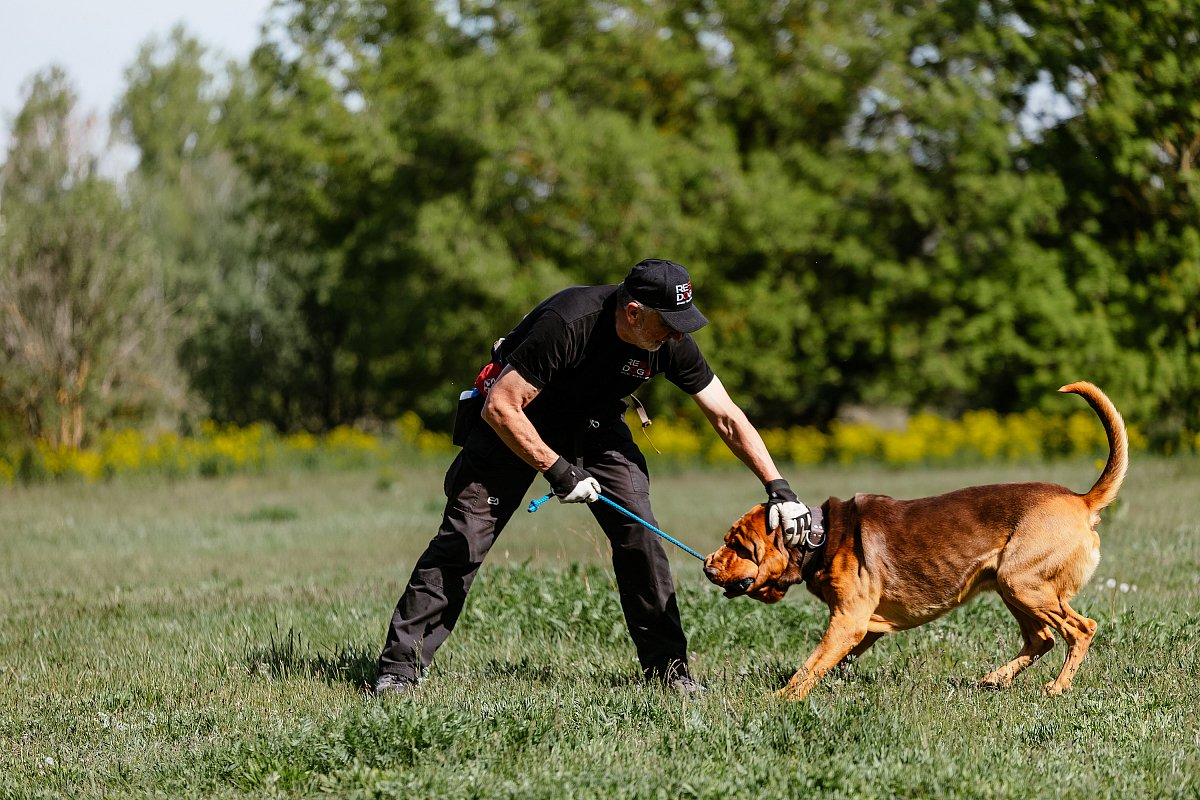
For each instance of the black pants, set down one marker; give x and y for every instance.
(485, 486)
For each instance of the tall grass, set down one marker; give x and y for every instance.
(212, 638)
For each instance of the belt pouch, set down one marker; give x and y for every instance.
(470, 406)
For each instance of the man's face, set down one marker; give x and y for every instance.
(648, 330)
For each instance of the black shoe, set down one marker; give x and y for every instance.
(686, 685)
(675, 676)
(389, 685)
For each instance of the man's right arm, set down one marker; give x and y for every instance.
(504, 410)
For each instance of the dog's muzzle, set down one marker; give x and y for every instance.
(740, 588)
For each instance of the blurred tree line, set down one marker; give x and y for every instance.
(944, 204)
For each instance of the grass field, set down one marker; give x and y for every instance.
(212, 638)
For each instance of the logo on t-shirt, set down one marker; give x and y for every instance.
(683, 293)
(636, 368)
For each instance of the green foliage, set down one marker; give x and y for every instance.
(240, 334)
(868, 211)
(1132, 232)
(944, 206)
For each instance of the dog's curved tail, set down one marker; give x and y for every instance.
(1110, 480)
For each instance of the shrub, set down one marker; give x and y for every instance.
(979, 436)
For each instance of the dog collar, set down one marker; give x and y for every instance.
(812, 550)
(816, 529)
(810, 561)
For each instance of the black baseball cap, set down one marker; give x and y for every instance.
(667, 288)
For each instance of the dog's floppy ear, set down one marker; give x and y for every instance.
(741, 533)
(772, 535)
(770, 550)
(756, 531)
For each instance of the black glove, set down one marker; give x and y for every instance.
(784, 510)
(780, 491)
(572, 484)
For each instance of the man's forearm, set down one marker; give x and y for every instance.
(504, 410)
(731, 424)
(516, 431)
(744, 441)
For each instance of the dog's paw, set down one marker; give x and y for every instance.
(1052, 689)
(794, 691)
(996, 680)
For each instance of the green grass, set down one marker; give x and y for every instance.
(211, 638)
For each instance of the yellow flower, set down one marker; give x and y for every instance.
(1084, 434)
(411, 431)
(301, 442)
(807, 445)
(983, 432)
(88, 463)
(1026, 434)
(902, 447)
(409, 427)
(344, 437)
(68, 461)
(124, 452)
(854, 440)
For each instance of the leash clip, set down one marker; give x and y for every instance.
(814, 538)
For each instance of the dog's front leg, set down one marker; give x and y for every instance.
(844, 633)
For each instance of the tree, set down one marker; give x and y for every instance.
(242, 344)
(1127, 156)
(866, 209)
(84, 329)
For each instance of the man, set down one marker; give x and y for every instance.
(555, 403)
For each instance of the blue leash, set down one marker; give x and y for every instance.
(534, 505)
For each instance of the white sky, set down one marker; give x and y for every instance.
(95, 40)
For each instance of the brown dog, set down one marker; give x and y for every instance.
(890, 565)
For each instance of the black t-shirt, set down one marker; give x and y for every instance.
(568, 348)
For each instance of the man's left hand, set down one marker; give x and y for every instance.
(784, 510)
(572, 484)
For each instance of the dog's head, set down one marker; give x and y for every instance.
(753, 561)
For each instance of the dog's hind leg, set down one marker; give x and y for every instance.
(1043, 567)
(1077, 631)
(1038, 638)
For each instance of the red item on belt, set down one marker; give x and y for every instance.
(487, 378)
